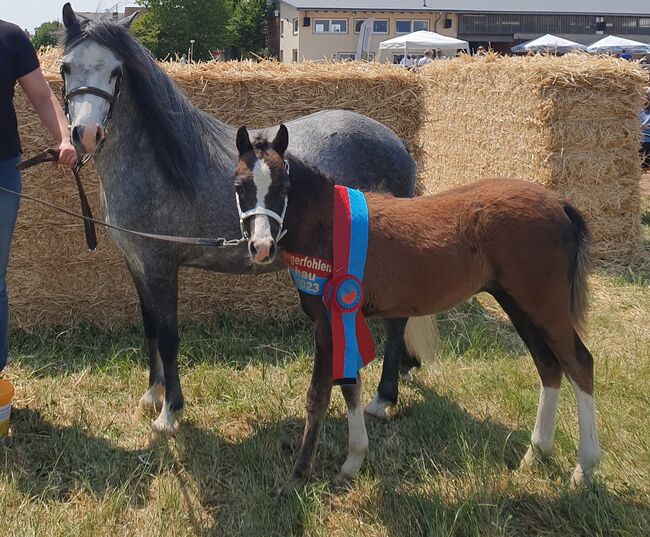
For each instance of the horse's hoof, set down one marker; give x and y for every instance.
(289, 488)
(152, 401)
(342, 481)
(377, 408)
(533, 456)
(581, 478)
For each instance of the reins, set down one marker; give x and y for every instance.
(51, 155)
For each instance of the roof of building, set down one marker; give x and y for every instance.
(564, 7)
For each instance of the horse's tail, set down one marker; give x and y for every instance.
(581, 267)
(421, 337)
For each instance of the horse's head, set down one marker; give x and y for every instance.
(262, 186)
(91, 83)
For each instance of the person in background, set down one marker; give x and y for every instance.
(407, 61)
(645, 130)
(183, 60)
(18, 62)
(625, 55)
(480, 51)
(426, 59)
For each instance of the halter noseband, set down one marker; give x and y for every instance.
(279, 218)
(111, 98)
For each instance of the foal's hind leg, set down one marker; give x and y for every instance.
(550, 373)
(578, 365)
(394, 353)
(357, 435)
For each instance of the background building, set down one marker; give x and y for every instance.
(318, 29)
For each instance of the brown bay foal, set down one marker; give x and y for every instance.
(512, 239)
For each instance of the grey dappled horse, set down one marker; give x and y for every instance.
(167, 168)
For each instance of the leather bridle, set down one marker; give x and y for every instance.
(111, 98)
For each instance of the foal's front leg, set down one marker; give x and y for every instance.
(318, 394)
(357, 434)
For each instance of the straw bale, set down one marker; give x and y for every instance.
(568, 123)
(54, 280)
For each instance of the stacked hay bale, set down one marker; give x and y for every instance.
(569, 123)
(54, 280)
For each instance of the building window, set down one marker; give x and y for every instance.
(406, 27)
(282, 28)
(281, 57)
(294, 55)
(379, 26)
(345, 56)
(295, 26)
(331, 26)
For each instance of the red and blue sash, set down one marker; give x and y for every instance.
(339, 282)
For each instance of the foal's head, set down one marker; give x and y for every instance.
(262, 186)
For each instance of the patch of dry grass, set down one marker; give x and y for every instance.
(445, 465)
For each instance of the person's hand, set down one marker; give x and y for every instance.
(67, 154)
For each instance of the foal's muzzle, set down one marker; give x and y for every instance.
(262, 251)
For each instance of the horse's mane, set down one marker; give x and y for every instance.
(183, 137)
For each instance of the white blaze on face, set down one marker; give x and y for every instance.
(261, 238)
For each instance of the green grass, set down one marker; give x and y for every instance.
(446, 464)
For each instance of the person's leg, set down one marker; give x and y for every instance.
(646, 157)
(9, 178)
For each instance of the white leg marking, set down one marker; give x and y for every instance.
(588, 450)
(357, 443)
(167, 422)
(544, 431)
(153, 398)
(377, 407)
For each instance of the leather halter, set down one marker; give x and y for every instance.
(111, 98)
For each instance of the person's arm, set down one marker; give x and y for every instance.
(50, 112)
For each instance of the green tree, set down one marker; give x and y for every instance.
(247, 26)
(146, 29)
(46, 34)
(171, 24)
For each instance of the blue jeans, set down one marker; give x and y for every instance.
(9, 178)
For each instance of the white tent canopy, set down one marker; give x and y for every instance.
(418, 42)
(548, 43)
(616, 45)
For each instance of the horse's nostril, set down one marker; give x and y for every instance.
(272, 250)
(76, 135)
(251, 249)
(99, 137)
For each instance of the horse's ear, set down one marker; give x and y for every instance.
(126, 22)
(281, 140)
(70, 20)
(243, 141)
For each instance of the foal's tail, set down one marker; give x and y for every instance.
(421, 337)
(581, 267)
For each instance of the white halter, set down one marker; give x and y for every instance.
(279, 218)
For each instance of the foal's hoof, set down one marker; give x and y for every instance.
(289, 488)
(377, 408)
(581, 478)
(533, 456)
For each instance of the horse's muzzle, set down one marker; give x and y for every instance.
(87, 139)
(262, 251)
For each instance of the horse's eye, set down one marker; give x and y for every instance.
(285, 188)
(116, 72)
(65, 69)
(239, 188)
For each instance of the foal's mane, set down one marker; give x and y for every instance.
(183, 137)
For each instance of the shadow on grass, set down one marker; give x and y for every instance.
(234, 342)
(235, 480)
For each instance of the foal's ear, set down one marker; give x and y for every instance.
(126, 22)
(281, 140)
(70, 20)
(243, 141)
